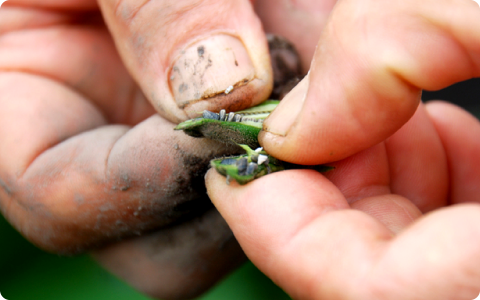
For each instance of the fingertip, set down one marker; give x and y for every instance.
(441, 108)
(217, 59)
(216, 185)
(211, 178)
(280, 135)
(219, 72)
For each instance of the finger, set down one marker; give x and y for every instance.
(301, 22)
(14, 17)
(185, 55)
(179, 262)
(372, 61)
(311, 246)
(418, 164)
(68, 182)
(459, 132)
(75, 49)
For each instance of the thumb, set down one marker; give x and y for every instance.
(372, 61)
(188, 55)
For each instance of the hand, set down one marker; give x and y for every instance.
(381, 225)
(84, 158)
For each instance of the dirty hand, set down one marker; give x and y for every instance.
(84, 157)
(359, 232)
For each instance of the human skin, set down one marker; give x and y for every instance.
(398, 217)
(85, 95)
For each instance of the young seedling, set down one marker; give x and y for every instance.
(247, 167)
(241, 127)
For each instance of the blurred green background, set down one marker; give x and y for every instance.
(27, 273)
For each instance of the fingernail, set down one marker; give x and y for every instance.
(209, 67)
(283, 117)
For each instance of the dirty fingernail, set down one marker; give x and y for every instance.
(283, 117)
(209, 67)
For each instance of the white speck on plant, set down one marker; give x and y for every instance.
(227, 91)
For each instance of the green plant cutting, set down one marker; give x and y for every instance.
(240, 128)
